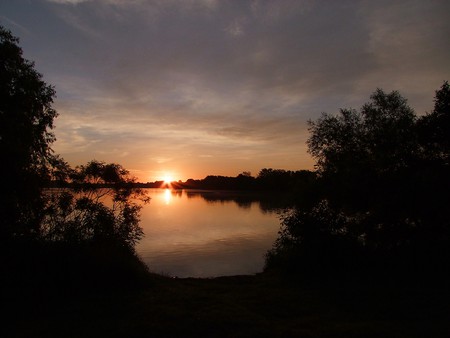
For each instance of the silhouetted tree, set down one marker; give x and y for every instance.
(384, 179)
(358, 152)
(434, 128)
(275, 179)
(316, 239)
(379, 138)
(49, 234)
(96, 207)
(245, 181)
(96, 201)
(26, 120)
(366, 159)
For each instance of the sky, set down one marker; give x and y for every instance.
(189, 88)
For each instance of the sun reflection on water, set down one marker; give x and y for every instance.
(187, 235)
(167, 196)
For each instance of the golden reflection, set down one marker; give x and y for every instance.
(167, 196)
(189, 237)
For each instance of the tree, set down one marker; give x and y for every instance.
(315, 239)
(275, 179)
(26, 120)
(360, 153)
(434, 128)
(93, 203)
(87, 226)
(368, 158)
(57, 223)
(96, 207)
(384, 189)
(379, 138)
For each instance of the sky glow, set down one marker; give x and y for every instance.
(197, 87)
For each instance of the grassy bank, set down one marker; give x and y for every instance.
(265, 305)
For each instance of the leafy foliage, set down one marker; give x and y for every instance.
(378, 138)
(92, 203)
(99, 205)
(434, 128)
(60, 228)
(384, 177)
(26, 120)
(268, 179)
(317, 238)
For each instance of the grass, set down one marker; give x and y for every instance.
(116, 297)
(242, 306)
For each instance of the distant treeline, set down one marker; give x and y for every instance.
(267, 180)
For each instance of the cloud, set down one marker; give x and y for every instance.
(15, 24)
(235, 28)
(407, 41)
(169, 81)
(68, 2)
(284, 51)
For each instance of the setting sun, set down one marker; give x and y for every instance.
(167, 178)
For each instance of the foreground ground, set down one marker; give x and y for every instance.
(265, 305)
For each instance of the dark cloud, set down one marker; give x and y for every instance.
(214, 81)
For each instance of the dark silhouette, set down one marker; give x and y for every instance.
(67, 235)
(89, 220)
(434, 129)
(26, 120)
(94, 205)
(382, 193)
(268, 179)
(266, 201)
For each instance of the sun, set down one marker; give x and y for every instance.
(167, 178)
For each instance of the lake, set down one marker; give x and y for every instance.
(206, 233)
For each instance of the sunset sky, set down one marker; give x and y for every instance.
(197, 87)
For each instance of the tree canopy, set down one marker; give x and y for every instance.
(383, 183)
(26, 121)
(379, 138)
(92, 203)
(434, 128)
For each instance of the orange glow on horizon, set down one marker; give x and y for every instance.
(168, 178)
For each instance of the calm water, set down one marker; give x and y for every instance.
(205, 234)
